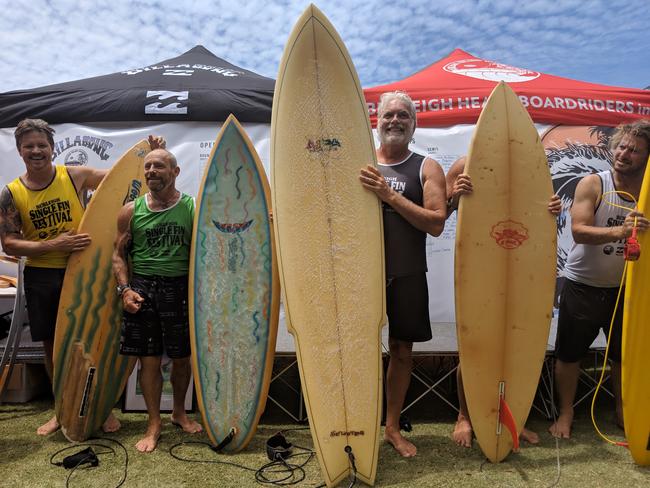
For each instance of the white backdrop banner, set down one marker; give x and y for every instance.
(100, 145)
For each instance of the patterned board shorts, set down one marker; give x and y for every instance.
(161, 322)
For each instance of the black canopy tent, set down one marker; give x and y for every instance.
(196, 86)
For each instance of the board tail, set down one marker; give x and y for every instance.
(73, 414)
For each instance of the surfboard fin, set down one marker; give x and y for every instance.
(506, 418)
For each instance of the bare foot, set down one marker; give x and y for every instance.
(529, 436)
(562, 426)
(187, 424)
(462, 433)
(150, 440)
(49, 427)
(403, 447)
(111, 424)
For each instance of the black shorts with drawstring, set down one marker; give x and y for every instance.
(584, 310)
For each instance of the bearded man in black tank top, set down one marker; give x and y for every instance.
(413, 194)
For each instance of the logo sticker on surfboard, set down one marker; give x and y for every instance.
(133, 191)
(234, 228)
(509, 234)
(347, 433)
(323, 145)
(482, 69)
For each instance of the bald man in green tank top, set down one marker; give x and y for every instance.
(151, 263)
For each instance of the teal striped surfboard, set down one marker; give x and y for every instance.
(234, 290)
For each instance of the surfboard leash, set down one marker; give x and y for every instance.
(87, 458)
(602, 370)
(348, 451)
(278, 472)
(632, 252)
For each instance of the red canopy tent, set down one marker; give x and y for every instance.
(452, 91)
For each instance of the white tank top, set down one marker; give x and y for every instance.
(601, 265)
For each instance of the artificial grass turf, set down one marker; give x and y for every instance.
(586, 460)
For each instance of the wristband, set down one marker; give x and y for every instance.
(122, 288)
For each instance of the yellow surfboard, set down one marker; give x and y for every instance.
(330, 246)
(89, 372)
(504, 271)
(635, 363)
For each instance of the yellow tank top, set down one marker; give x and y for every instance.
(47, 213)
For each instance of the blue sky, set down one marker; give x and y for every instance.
(51, 41)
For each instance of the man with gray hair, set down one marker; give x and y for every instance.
(602, 218)
(413, 194)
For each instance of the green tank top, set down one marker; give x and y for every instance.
(161, 239)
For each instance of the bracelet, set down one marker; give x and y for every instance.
(122, 288)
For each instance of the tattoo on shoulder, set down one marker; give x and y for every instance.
(5, 199)
(128, 241)
(10, 222)
(125, 240)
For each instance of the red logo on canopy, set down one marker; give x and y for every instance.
(490, 71)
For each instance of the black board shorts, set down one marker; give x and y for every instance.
(407, 307)
(584, 310)
(161, 322)
(42, 292)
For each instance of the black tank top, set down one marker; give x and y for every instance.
(404, 245)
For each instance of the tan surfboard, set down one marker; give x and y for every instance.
(330, 247)
(635, 362)
(89, 372)
(504, 271)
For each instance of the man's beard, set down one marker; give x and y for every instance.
(394, 138)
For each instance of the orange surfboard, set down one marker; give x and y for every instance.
(504, 270)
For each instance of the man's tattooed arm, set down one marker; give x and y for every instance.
(10, 222)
